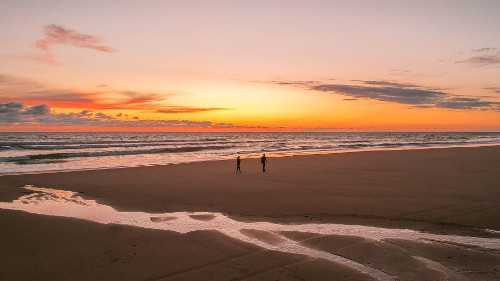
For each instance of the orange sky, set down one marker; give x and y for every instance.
(250, 66)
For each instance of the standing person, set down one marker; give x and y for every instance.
(263, 161)
(238, 162)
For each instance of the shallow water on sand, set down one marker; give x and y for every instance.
(263, 234)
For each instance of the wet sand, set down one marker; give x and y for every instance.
(444, 191)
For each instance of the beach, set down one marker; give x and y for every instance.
(442, 191)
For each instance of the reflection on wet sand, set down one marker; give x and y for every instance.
(264, 234)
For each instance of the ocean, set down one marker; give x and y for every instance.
(36, 152)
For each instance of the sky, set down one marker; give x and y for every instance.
(250, 65)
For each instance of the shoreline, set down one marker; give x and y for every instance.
(275, 155)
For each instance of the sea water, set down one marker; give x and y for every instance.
(35, 152)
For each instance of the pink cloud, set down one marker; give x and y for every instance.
(46, 58)
(56, 34)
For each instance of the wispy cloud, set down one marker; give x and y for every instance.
(27, 90)
(483, 50)
(56, 34)
(408, 94)
(111, 99)
(467, 103)
(386, 83)
(388, 94)
(19, 114)
(494, 89)
(398, 72)
(103, 98)
(483, 60)
(45, 58)
(293, 83)
(483, 57)
(184, 109)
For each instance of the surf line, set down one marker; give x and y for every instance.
(47, 201)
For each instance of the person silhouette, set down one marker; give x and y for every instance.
(263, 161)
(238, 162)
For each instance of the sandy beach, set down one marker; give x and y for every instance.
(448, 191)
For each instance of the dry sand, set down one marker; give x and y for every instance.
(446, 191)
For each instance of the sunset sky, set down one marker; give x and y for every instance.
(250, 65)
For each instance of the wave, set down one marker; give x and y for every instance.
(51, 156)
(5, 147)
(360, 145)
(73, 146)
(430, 143)
(355, 146)
(99, 142)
